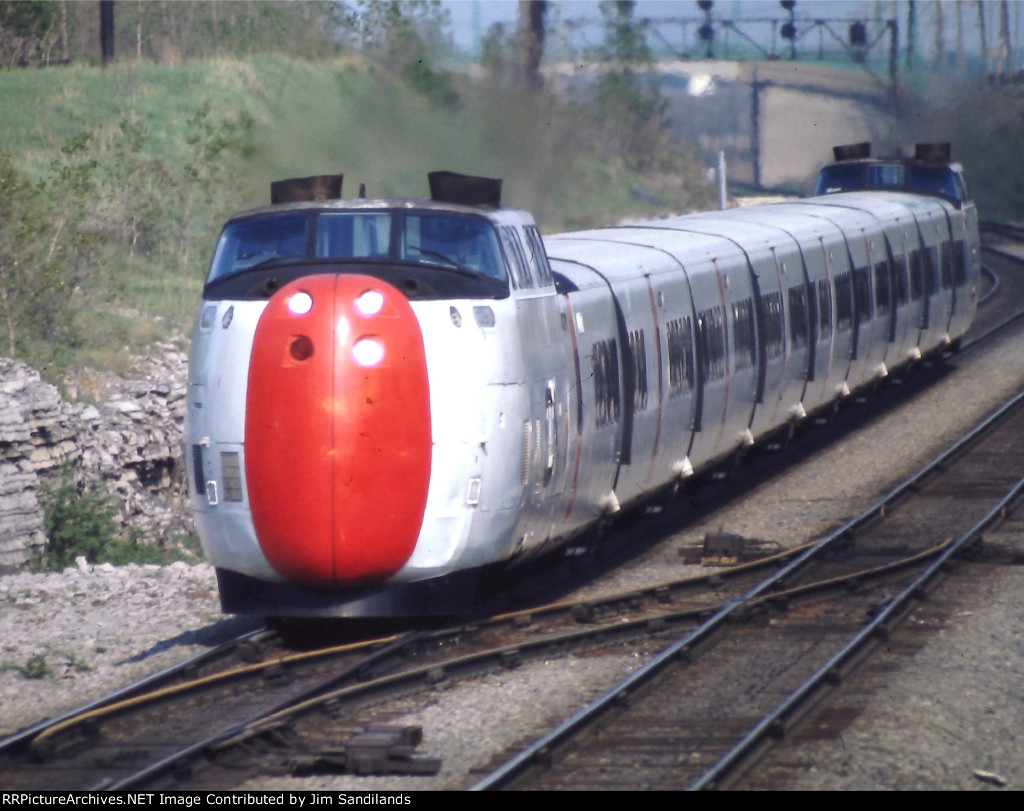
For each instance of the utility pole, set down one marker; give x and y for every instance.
(531, 41)
(911, 32)
(107, 31)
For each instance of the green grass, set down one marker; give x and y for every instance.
(307, 118)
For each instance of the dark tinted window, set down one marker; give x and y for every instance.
(774, 325)
(844, 302)
(883, 298)
(680, 356)
(638, 347)
(825, 307)
(711, 333)
(799, 327)
(743, 333)
(606, 382)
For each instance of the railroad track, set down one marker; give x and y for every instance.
(299, 734)
(413, 664)
(686, 720)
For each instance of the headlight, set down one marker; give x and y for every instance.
(368, 351)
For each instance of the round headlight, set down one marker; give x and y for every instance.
(370, 303)
(368, 351)
(301, 303)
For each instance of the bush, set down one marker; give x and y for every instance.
(83, 521)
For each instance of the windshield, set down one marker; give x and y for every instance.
(433, 239)
(922, 178)
(839, 178)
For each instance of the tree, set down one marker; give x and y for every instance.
(627, 94)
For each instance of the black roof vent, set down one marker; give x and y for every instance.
(301, 189)
(451, 187)
(933, 153)
(852, 152)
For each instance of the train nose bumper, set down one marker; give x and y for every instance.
(337, 430)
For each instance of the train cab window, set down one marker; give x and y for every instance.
(774, 325)
(462, 242)
(638, 347)
(961, 184)
(248, 244)
(679, 335)
(799, 322)
(537, 257)
(606, 382)
(743, 333)
(883, 295)
(840, 177)
(824, 308)
(353, 235)
(516, 257)
(885, 175)
(933, 180)
(844, 302)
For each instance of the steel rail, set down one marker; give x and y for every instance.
(540, 749)
(24, 737)
(776, 723)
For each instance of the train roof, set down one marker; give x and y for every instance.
(499, 216)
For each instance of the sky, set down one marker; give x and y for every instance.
(472, 18)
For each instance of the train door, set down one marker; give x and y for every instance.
(881, 322)
(787, 373)
(933, 233)
(640, 384)
(679, 390)
(965, 263)
(918, 308)
(542, 335)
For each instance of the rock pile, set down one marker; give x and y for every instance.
(128, 440)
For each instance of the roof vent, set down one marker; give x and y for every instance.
(852, 152)
(451, 187)
(933, 153)
(300, 189)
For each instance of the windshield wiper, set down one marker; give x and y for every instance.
(287, 259)
(437, 255)
(451, 264)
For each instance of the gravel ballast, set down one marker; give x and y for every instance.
(99, 627)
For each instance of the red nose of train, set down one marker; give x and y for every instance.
(337, 430)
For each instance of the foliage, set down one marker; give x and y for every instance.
(627, 95)
(35, 667)
(106, 219)
(406, 36)
(28, 32)
(984, 124)
(83, 521)
(77, 522)
(38, 264)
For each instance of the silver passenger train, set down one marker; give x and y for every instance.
(387, 396)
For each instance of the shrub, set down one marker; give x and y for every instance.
(82, 521)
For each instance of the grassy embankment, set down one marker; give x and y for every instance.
(170, 151)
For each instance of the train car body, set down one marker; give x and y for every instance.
(386, 396)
